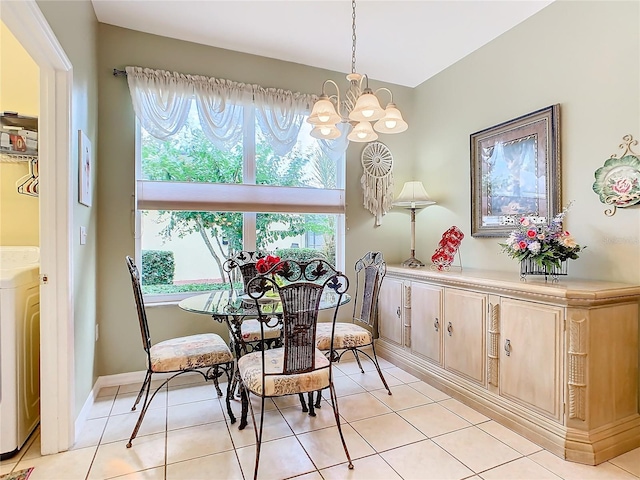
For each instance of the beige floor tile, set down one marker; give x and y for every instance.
(124, 402)
(425, 460)
(511, 438)
(403, 397)
(196, 413)
(257, 405)
(101, 407)
(367, 468)
(192, 393)
(6, 466)
(520, 469)
(221, 466)
(344, 386)
(288, 401)
(629, 461)
(403, 376)
(91, 433)
(275, 426)
(114, 459)
(325, 447)
(431, 392)
(468, 413)
(370, 380)
(384, 364)
(279, 459)
(198, 441)
(476, 449)
(351, 367)
(577, 471)
(433, 420)
(192, 379)
(150, 474)
(301, 422)
(73, 464)
(135, 387)
(309, 476)
(387, 431)
(120, 427)
(108, 392)
(359, 406)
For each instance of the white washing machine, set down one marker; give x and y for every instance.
(19, 346)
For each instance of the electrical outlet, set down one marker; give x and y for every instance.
(97, 332)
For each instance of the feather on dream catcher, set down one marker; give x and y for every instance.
(377, 179)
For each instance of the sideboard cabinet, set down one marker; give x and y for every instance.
(556, 362)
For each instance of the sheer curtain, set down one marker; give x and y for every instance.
(161, 100)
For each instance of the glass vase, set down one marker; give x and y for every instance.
(529, 267)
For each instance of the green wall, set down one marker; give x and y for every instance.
(582, 55)
(120, 347)
(75, 26)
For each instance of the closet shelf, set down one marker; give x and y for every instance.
(5, 158)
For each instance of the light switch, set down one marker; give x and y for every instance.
(83, 235)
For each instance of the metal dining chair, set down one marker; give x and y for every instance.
(297, 367)
(357, 335)
(206, 354)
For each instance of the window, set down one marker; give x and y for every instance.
(201, 203)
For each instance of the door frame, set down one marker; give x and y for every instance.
(57, 377)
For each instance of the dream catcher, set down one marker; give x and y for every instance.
(377, 179)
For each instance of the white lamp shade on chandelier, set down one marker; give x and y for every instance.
(361, 107)
(413, 195)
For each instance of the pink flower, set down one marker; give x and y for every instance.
(622, 185)
(522, 244)
(524, 221)
(532, 233)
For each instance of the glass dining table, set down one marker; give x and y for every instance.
(233, 308)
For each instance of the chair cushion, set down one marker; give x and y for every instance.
(250, 367)
(347, 335)
(251, 331)
(194, 351)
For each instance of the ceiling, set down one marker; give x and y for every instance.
(401, 42)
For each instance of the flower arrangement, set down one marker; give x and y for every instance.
(547, 245)
(264, 264)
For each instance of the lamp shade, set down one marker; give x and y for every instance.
(367, 108)
(362, 132)
(392, 122)
(413, 195)
(327, 132)
(324, 112)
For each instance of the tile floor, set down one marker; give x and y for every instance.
(418, 433)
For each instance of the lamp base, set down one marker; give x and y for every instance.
(412, 262)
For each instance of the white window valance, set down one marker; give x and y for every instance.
(162, 100)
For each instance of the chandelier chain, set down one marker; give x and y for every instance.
(353, 36)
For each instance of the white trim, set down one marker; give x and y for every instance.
(28, 25)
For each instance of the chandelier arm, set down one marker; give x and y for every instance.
(386, 90)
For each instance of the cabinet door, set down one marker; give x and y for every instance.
(390, 314)
(464, 344)
(531, 355)
(426, 321)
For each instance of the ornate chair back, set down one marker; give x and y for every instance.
(245, 262)
(142, 315)
(370, 271)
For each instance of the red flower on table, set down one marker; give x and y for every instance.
(265, 264)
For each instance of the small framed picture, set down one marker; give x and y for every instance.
(85, 167)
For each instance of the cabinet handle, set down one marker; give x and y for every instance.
(398, 312)
(507, 347)
(436, 324)
(450, 328)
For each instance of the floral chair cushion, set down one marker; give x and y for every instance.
(194, 351)
(250, 367)
(250, 330)
(347, 335)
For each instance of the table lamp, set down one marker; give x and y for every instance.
(413, 196)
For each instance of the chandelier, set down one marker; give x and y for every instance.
(360, 106)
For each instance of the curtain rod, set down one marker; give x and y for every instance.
(119, 73)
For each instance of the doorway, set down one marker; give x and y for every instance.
(27, 23)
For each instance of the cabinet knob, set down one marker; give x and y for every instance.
(507, 347)
(436, 324)
(398, 312)
(450, 328)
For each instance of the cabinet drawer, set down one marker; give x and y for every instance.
(426, 321)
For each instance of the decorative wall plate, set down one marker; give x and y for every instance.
(618, 180)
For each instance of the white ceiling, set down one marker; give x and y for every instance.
(401, 42)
